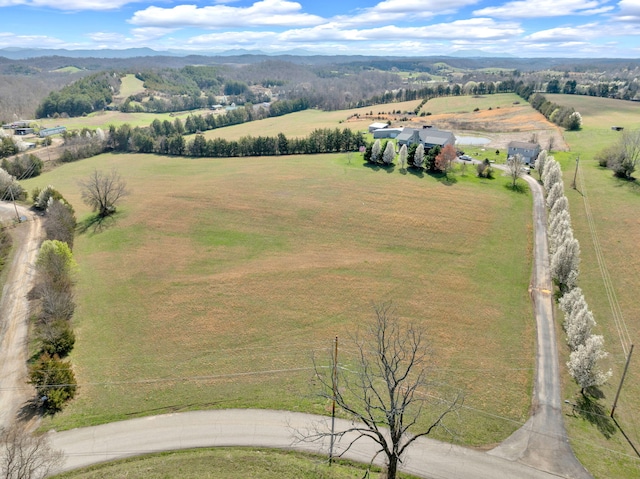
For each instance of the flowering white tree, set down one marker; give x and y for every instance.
(551, 173)
(561, 204)
(565, 264)
(403, 156)
(560, 235)
(571, 300)
(540, 161)
(555, 193)
(418, 157)
(557, 222)
(578, 325)
(9, 187)
(376, 151)
(389, 153)
(583, 363)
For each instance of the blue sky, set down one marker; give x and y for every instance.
(525, 28)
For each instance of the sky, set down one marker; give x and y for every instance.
(521, 28)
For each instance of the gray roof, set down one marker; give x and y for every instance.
(432, 136)
(523, 145)
(406, 134)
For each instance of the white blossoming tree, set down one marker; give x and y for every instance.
(376, 152)
(389, 153)
(403, 156)
(418, 157)
(565, 264)
(583, 363)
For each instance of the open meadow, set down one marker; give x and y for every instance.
(613, 206)
(220, 278)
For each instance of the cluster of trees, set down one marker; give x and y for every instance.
(52, 376)
(81, 97)
(23, 166)
(623, 156)
(10, 145)
(563, 116)
(586, 348)
(10, 189)
(81, 144)
(434, 160)
(615, 88)
(155, 140)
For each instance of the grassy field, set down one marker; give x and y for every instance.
(220, 278)
(614, 204)
(130, 86)
(226, 463)
(304, 122)
(102, 119)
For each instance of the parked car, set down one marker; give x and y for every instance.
(465, 158)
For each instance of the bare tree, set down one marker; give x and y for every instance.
(101, 191)
(516, 167)
(26, 456)
(385, 391)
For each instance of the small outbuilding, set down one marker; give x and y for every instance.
(528, 151)
(386, 133)
(52, 131)
(377, 126)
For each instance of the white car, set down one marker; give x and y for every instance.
(465, 158)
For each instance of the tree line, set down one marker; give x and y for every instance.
(586, 349)
(53, 302)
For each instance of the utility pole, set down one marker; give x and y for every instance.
(575, 176)
(14, 203)
(624, 373)
(333, 406)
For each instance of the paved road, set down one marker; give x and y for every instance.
(542, 442)
(14, 313)
(539, 449)
(260, 428)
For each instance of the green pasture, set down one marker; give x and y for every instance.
(599, 443)
(69, 69)
(302, 123)
(219, 279)
(102, 119)
(227, 463)
(130, 85)
(466, 104)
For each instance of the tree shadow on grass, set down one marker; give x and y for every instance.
(588, 408)
(94, 224)
(517, 188)
(419, 172)
(372, 166)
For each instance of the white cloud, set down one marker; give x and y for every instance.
(407, 10)
(8, 39)
(543, 8)
(261, 13)
(629, 11)
(564, 34)
(71, 5)
(477, 28)
(231, 38)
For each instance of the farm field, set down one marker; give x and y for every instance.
(304, 122)
(227, 463)
(102, 119)
(221, 278)
(614, 205)
(130, 86)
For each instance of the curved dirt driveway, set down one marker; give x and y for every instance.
(14, 313)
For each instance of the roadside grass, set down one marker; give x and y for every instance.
(228, 463)
(614, 205)
(220, 278)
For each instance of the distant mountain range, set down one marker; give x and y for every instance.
(14, 53)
